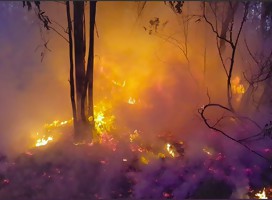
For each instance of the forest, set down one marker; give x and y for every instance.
(136, 100)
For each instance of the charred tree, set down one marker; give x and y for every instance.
(88, 81)
(72, 86)
(79, 51)
(81, 130)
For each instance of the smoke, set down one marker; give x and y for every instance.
(166, 89)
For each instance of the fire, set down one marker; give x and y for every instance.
(131, 101)
(104, 121)
(43, 141)
(261, 195)
(161, 155)
(170, 149)
(119, 84)
(237, 87)
(133, 136)
(48, 130)
(208, 152)
(56, 124)
(144, 160)
(103, 124)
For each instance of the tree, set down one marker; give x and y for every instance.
(81, 76)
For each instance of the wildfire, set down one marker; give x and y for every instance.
(103, 123)
(261, 195)
(208, 152)
(131, 101)
(144, 160)
(133, 136)
(119, 84)
(170, 150)
(48, 131)
(43, 141)
(237, 87)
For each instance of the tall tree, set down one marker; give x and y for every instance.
(84, 75)
(81, 76)
(72, 86)
(88, 82)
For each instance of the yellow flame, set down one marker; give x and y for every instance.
(131, 101)
(237, 87)
(261, 195)
(161, 155)
(104, 121)
(170, 149)
(133, 136)
(43, 141)
(48, 130)
(119, 84)
(208, 152)
(144, 160)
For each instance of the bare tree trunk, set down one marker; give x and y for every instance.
(72, 86)
(79, 50)
(80, 132)
(91, 57)
(88, 82)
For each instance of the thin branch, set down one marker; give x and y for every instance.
(64, 29)
(59, 33)
(253, 57)
(202, 114)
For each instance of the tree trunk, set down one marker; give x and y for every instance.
(88, 83)
(81, 131)
(79, 50)
(72, 87)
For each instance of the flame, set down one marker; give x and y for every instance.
(161, 155)
(103, 123)
(208, 152)
(237, 87)
(43, 141)
(133, 136)
(261, 195)
(119, 84)
(48, 130)
(144, 160)
(131, 101)
(56, 124)
(170, 150)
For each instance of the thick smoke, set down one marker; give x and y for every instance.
(130, 63)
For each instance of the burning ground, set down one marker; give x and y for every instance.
(114, 167)
(151, 141)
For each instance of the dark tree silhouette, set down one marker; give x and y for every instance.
(81, 75)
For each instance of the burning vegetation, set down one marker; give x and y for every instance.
(159, 111)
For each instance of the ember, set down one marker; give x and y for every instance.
(261, 194)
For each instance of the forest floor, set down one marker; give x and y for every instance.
(62, 170)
